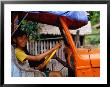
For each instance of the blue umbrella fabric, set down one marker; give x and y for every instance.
(73, 19)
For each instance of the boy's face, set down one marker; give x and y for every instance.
(21, 41)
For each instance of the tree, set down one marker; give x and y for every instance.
(94, 38)
(32, 29)
(94, 17)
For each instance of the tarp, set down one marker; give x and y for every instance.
(73, 19)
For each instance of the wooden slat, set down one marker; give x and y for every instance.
(33, 47)
(37, 47)
(28, 46)
(44, 47)
(41, 46)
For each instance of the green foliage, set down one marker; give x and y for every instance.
(94, 17)
(94, 38)
(31, 28)
(95, 31)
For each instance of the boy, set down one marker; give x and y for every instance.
(20, 39)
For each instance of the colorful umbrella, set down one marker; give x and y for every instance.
(73, 19)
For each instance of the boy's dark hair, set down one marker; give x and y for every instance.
(17, 33)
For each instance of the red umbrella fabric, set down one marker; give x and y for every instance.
(73, 19)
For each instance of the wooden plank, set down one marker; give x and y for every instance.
(36, 47)
(41, 46)
(33, 48)
(44, 48)
(50, 44)
(27, 45)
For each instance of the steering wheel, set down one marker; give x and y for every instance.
(47, 59)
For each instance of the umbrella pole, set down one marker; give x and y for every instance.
(70, 40)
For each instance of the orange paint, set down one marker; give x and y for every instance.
(85, 60)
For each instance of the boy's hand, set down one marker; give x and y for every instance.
(58, 45)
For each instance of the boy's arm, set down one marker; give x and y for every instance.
(43, 55)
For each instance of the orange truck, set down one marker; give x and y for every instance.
(86, 61)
